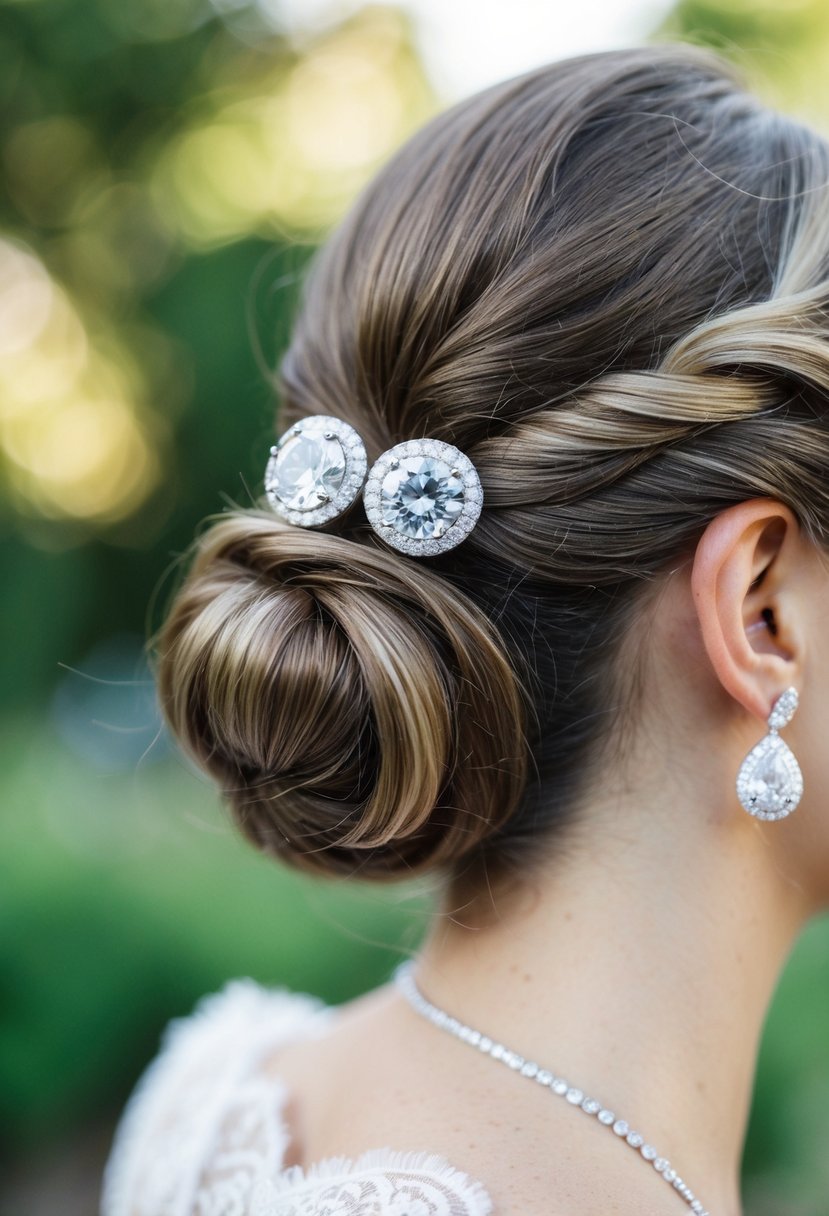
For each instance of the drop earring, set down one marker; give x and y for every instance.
(770, 783)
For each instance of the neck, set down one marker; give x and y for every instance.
(642, 972)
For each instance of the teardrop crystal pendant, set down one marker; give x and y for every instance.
(770, 783)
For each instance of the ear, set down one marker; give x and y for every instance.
(745, 586)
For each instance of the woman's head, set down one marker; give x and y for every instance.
(605, 282)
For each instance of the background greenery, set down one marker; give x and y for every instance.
(166, 167)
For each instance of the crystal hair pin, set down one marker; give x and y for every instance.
(422, 496)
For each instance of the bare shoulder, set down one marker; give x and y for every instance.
(382, 1078)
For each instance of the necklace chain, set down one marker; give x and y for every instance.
(403, 978)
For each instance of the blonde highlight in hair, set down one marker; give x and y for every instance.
(366, 689)
(606, 282)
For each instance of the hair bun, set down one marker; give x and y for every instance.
(358, 712)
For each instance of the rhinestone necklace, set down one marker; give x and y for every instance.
(403, 978)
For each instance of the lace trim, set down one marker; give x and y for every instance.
(204, 1134)
(381, 1180)
(172, 1118)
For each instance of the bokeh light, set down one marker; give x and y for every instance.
(288, 157)
(70, 433)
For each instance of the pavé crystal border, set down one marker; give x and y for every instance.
(783, 709)
(356, 463)
(460, 527)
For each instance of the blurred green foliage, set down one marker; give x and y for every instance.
(164, 177)
(167, 167)
(783, 47)
(123, 899)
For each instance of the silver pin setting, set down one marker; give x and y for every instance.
(315, 470)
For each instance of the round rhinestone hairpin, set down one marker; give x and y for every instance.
(422, 496)
(315, 470)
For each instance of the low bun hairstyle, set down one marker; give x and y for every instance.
(605, 281)
(342, 693)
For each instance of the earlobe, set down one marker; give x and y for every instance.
(736, 583)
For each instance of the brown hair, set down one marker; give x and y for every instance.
(605, 282)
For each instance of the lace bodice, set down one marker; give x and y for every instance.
(204, 1132)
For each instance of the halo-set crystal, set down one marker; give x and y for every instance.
(403, 978)
(423, 496)
(770, 783)
(315, 470)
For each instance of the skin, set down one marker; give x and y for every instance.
(642, 963)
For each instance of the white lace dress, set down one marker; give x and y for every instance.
(204, 1133)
